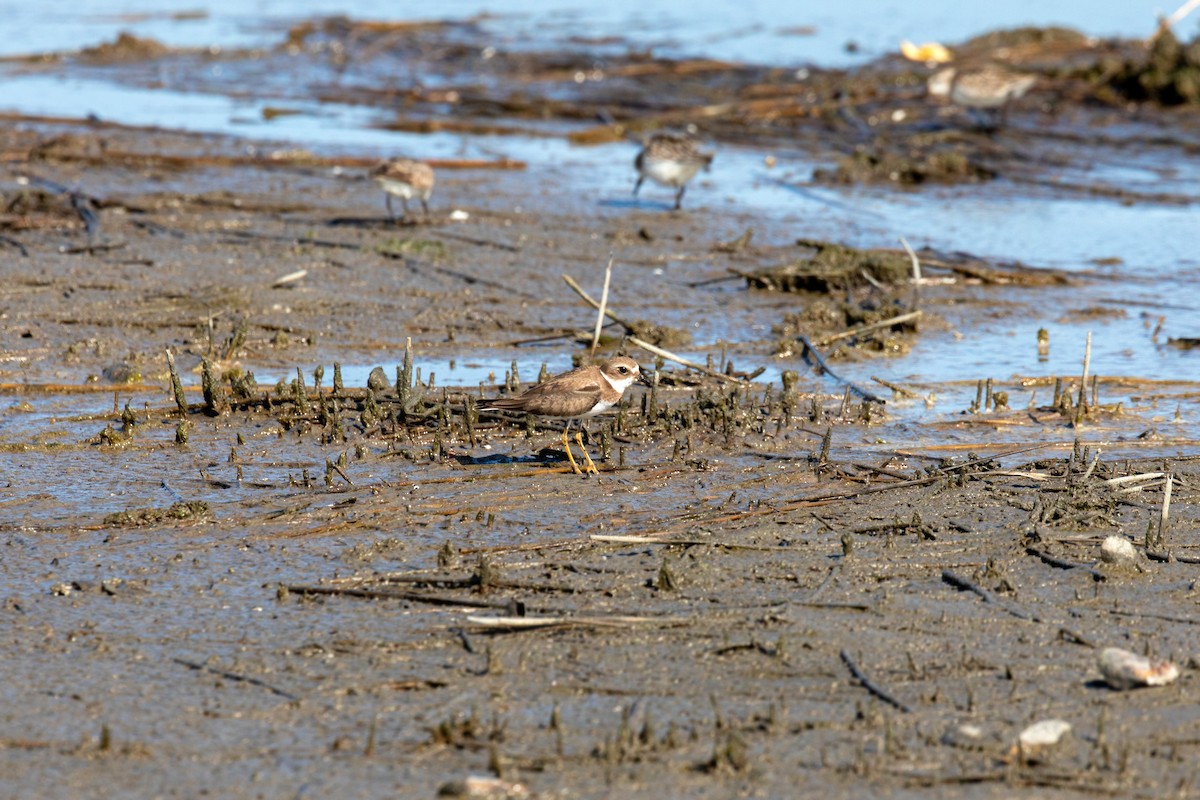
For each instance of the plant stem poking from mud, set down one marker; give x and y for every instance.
(404, 383)
(1081, 406)
(1164, 517)
(176, 386)
(603, 305)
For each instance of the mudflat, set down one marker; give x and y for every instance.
(780, 584)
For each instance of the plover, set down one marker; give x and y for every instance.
(405, 179)
(576, 395)
(670, 159)
(986, 88)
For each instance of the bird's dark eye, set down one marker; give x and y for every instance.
(622, 370)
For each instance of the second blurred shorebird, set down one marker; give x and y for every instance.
(670, 159)
(576, 395)
(988, 88)
(405, 179)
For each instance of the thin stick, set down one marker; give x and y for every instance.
(527, 623)
(816, 354)
(663, 540)
(587, 298)
(291, 277)
(669, 356)
(959, 582)
(636, 342)
(233, 676)
(1166, 508)
(895, 387)
(389, 594)
(870, 685)
(603, 306)
(884, 323)
(1141, 476)
(1165, 24)
(1062, 563)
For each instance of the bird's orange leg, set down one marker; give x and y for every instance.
(567, 447)
(591, 465)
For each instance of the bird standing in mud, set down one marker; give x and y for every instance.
(576, 395)
(670, 159)
(988, 88)
(405, 179)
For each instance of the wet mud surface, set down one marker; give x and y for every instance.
(292, 582)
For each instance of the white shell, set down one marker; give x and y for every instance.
(481, 787)
(1118, 550)
(1125, 670)
(1044, 734)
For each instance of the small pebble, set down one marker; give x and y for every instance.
(1118, 550)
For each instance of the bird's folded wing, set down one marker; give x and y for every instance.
(555, 402)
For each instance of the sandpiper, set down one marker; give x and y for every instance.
(670, 159)
(576, 395)
(984, 88)
(405, 179)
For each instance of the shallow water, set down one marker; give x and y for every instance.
(766, 31)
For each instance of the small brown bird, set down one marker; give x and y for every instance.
(670, 159)
(987, 88)
(576, 395)
(405, 179)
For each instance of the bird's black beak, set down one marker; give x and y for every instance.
(644, 378)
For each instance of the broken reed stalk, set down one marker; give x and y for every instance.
(669, 356)
(1166, 23)
(587, 299)
(916, 280)
(1081, 405)
(603, 306)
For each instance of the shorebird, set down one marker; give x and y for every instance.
(985, 88)
(670, 159)
(576, 395)
(405, 179)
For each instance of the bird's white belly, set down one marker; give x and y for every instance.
(599, 408)
(398, 188)
(669, 173)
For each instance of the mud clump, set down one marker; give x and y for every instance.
(824, 316)
(1169, 74)
(832, 267)
(905, 169)
(138, 517)
(126, 47)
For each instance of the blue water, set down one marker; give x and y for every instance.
(747, 30)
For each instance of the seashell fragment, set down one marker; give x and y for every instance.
(1038, 742)
(1046, 733)
(1125, 670)
(1118, 550)
(481, 787)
